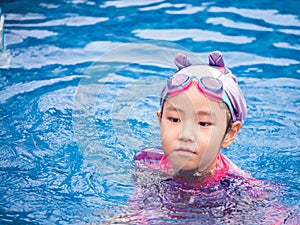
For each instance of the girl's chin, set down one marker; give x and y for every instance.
(187, 167)
(183, 161)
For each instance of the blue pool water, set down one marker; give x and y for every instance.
(70, 125)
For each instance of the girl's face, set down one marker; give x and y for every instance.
(192, 129)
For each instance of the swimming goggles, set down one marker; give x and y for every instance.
(210, 87)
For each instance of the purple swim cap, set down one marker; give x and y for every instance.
(216, 66)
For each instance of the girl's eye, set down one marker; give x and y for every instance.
(174, 119)
(204, 124)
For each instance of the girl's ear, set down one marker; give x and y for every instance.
(231, 134)
(158, 114)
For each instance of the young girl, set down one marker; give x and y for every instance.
(202, 111)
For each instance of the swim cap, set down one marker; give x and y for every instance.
(216, 67)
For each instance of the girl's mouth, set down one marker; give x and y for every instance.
(185, 151)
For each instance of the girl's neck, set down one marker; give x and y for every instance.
(195, 176)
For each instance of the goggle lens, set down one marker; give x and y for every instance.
(212, 84)
(177, 81)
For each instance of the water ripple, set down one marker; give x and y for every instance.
(126, 3)
(196, 35)
(21, 88)
(290, 31)
(39, 56)
(236, 25)
(235, 59)
(24, 17)
(270, 16)
(39, 34)
(287, 45)
(161, 6)
(75, 21)
(188, 10)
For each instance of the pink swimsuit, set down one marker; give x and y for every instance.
(154, 158)
(227, 186)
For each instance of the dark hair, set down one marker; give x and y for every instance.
(229, 122)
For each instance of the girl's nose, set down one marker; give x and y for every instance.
(188, 133)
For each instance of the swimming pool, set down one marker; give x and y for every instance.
(66, 159)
